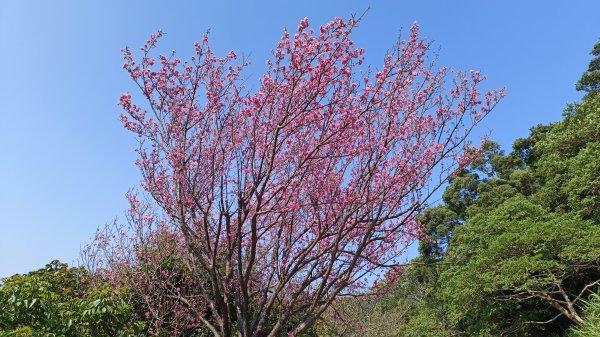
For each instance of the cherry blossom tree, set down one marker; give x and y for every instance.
(282, 197)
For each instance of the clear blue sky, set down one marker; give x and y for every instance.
(66, 162)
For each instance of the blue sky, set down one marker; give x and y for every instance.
(66, 162)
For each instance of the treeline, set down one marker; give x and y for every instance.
(513, 250)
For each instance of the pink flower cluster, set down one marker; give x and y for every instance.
(280, 199)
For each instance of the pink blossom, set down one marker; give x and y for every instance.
(293, 193)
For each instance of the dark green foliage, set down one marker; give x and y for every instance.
(61, 301)
(518, 255)
(590, 80)
(570, 169)
(440, 222)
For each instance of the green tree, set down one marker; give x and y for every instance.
(568, 172)
(590, 80)
(520, 254)
(61, 301)
(529, 249)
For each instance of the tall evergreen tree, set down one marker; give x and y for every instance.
(590, 80)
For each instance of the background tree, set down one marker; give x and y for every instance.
(514, 250)
(590, 80)
(300, 192)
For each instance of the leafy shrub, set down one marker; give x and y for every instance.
(61, 301)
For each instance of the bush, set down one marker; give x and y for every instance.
(61, 301)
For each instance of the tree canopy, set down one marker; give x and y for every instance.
(590, 80)
(283, 198)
